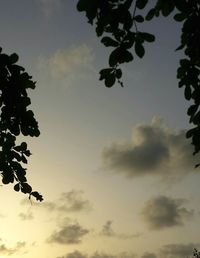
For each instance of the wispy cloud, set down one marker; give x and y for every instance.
(11, 250)
(26, 215)
(154, 150)
(178, 250)
(149, 255)
(48, 7)
(77, 254)
(164, 212)
(108, 231)
(72, 201)
(68, 66)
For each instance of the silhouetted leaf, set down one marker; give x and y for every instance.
(14, 58)
(36, 195)
(114, 57)
(179, 17)
(139, 18)
(167, 7)
(109, 42)
(192, 110)
(118, 73)
(188, 92)
(139, 50)
(17, 187)
(141, 3)
(148, 37)
(150, 14)
(82, 5)
(26, 188)
(110, 80)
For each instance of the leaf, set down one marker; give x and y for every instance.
(192, 110)
(127, 57)
(109, 42)
(167, 7)
(110, 80)
(148, 37)
(139, 49)
(26, 188)
(17, 187)
(141, 3)
(82, 5)
(24, 160)
(37, 196)
(188, 93)
(139, 18)
(105, 72)
(114, 57)
(23, 146)
(150, 14)
(118, 73)
(27, 153)
(190, 132)
(127, 4)
(13, 58)
(179, 17)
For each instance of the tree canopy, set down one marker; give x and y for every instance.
(117, 23)
(16, 120)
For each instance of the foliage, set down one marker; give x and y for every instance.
(117, 21)
(15, 120)
(196, 253)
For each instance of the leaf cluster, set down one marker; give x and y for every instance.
(15, 119)
(116, 23)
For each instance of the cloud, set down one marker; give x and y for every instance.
(155, 150)
(77, 254)
(26, 216)
(9, 251)
(68, 234)
(68, 66)
(108, 231)
(48, 7)
(72, 201)
(149, 255)
(178, 250)
(164, 212)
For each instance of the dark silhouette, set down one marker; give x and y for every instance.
(15, 119)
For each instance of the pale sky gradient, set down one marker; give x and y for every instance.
(115, 170)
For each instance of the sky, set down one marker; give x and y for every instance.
(113, 165)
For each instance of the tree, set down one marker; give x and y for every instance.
(15, 120)
(196, 253)
(117, 24)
